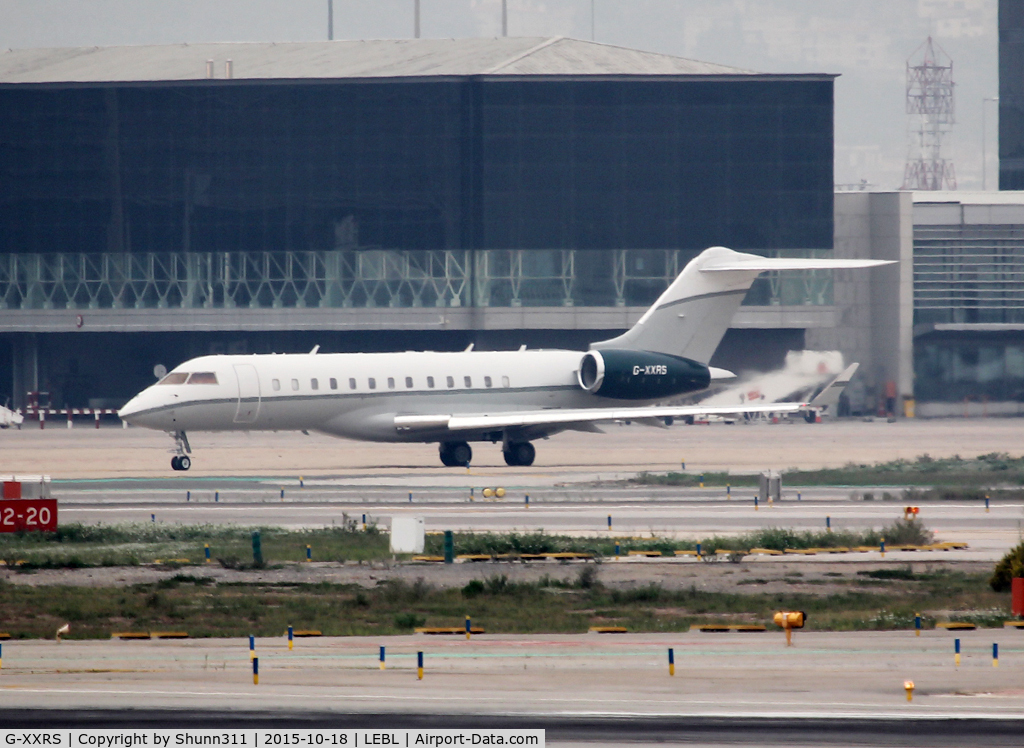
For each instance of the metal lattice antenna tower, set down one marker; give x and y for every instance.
(930, 104)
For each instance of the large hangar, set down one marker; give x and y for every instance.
(163, 202)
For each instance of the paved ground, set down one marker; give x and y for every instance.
(834, 675)
(115, 453)
(839, 676)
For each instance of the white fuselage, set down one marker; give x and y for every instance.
(358, 395)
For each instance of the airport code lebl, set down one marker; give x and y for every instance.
(267, 738)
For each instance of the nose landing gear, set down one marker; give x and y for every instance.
(181, 460)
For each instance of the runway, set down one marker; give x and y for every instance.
(570, 457)
(564, 732)
(727, 687)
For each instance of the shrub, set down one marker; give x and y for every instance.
(473, 589)
(409, 621)
(1011, 565)
(908, 532)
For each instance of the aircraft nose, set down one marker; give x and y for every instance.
(131, 408)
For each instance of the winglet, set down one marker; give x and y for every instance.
(829, 397)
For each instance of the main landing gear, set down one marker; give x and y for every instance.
(456, 454)
(519, 454)
(459, 454)
(181, 460)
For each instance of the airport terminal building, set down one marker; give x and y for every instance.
(163, 202)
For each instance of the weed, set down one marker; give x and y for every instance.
(473, 589)
(497, 584)
(409, 621)
(587, 578)
(902, 572)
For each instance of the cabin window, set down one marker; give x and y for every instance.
(504, 382)
(430, 382)
(408, 382)
(451, 381)
(373, 383)
(203, 377)
(175, 377)
(276, 384)
(487, 381)
(391, 383)
(334, 383)
(468, 381)
(351, 383)
(295, 385)
(314, 384)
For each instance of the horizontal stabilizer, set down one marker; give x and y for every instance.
(752, 263)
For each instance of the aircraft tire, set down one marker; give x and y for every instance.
(462, 453)
(185, 462)
(175, 465)
(446, 456)
(520, 454)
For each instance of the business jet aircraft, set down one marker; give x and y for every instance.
(512, 397)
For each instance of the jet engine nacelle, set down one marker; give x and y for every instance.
(640, 375)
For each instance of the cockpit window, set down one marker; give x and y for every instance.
(175, 377)
(203, 377)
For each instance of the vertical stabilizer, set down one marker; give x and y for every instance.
(691, 317)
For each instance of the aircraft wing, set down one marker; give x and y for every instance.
(568, 416)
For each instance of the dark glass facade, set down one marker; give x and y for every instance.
(974, 366)
(415, 164)
(1011, 95)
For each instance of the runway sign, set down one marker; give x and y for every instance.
(19, 515)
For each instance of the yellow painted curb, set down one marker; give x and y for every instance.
(721, 627)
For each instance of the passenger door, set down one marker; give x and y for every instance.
(248, 393)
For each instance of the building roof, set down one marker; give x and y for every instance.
(391, 58)
(970, 197)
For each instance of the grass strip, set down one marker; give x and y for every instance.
(78, 545)
(206, 609)
(984, 471)
(84, 546)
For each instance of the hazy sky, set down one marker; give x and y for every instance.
(866, 41)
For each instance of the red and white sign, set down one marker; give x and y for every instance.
(17, 515)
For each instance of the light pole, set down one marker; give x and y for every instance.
(984, 137)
